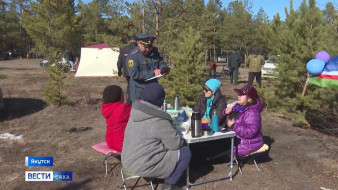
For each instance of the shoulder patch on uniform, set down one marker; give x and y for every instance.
(134, 52)
(131, 63)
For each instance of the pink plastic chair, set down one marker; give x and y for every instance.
(104, 149)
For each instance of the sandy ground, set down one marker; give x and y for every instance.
(298, 158)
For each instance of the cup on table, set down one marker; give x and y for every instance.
(207, 132)
(205, 123)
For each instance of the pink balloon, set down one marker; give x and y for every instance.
(323, 55)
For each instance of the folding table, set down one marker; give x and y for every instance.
(218, 135)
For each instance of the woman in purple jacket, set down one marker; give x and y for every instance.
(245, 119)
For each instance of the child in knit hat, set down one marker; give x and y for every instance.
(211, 99)
(116, 113)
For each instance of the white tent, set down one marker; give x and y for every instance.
(98, 60)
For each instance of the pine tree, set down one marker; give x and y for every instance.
(331, 16)
(55, 90)
(3, 12)
(236, 25)
(53, 27)
(298, 40)
(187, 76)
(91, 21)
(258, 29)
(120, 28)
(12, 27)
(211, 26)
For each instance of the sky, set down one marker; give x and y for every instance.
(271, 7)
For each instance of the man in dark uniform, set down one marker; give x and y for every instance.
(144, 62)
(234, 63)
(122, 65)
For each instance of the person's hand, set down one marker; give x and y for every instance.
(230, 122)
(228, 111)
(165, 70)
(157, 71)
(119, 73)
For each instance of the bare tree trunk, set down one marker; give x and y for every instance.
(20, 32)
(215, 57)
(157, 17)
(143, 18)
(246, 58)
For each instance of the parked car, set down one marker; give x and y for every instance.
(4, 55)
(44, 63)
(269, 68)
(15, 53)
(221, 59)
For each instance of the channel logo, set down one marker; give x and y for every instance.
(39, 176)
(48, 176)
(39, 161)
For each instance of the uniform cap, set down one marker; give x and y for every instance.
(146, 39)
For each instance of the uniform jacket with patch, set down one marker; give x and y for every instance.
(140, 68)
(121, 63)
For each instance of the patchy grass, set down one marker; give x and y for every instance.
(298, 158)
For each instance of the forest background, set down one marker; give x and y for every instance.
(189, 34)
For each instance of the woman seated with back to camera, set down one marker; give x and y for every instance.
(212, 99)
(245, 119)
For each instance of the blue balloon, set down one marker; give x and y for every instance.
(315, 66)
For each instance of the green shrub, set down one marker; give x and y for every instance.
(55, 91)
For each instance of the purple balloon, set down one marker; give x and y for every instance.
(323, 55)
(315, 66)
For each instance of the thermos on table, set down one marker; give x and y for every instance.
(177, 103)
(164, 106)
(196, 130)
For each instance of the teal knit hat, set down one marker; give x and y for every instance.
(213, 84)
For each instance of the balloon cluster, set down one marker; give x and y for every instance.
(316, 66)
